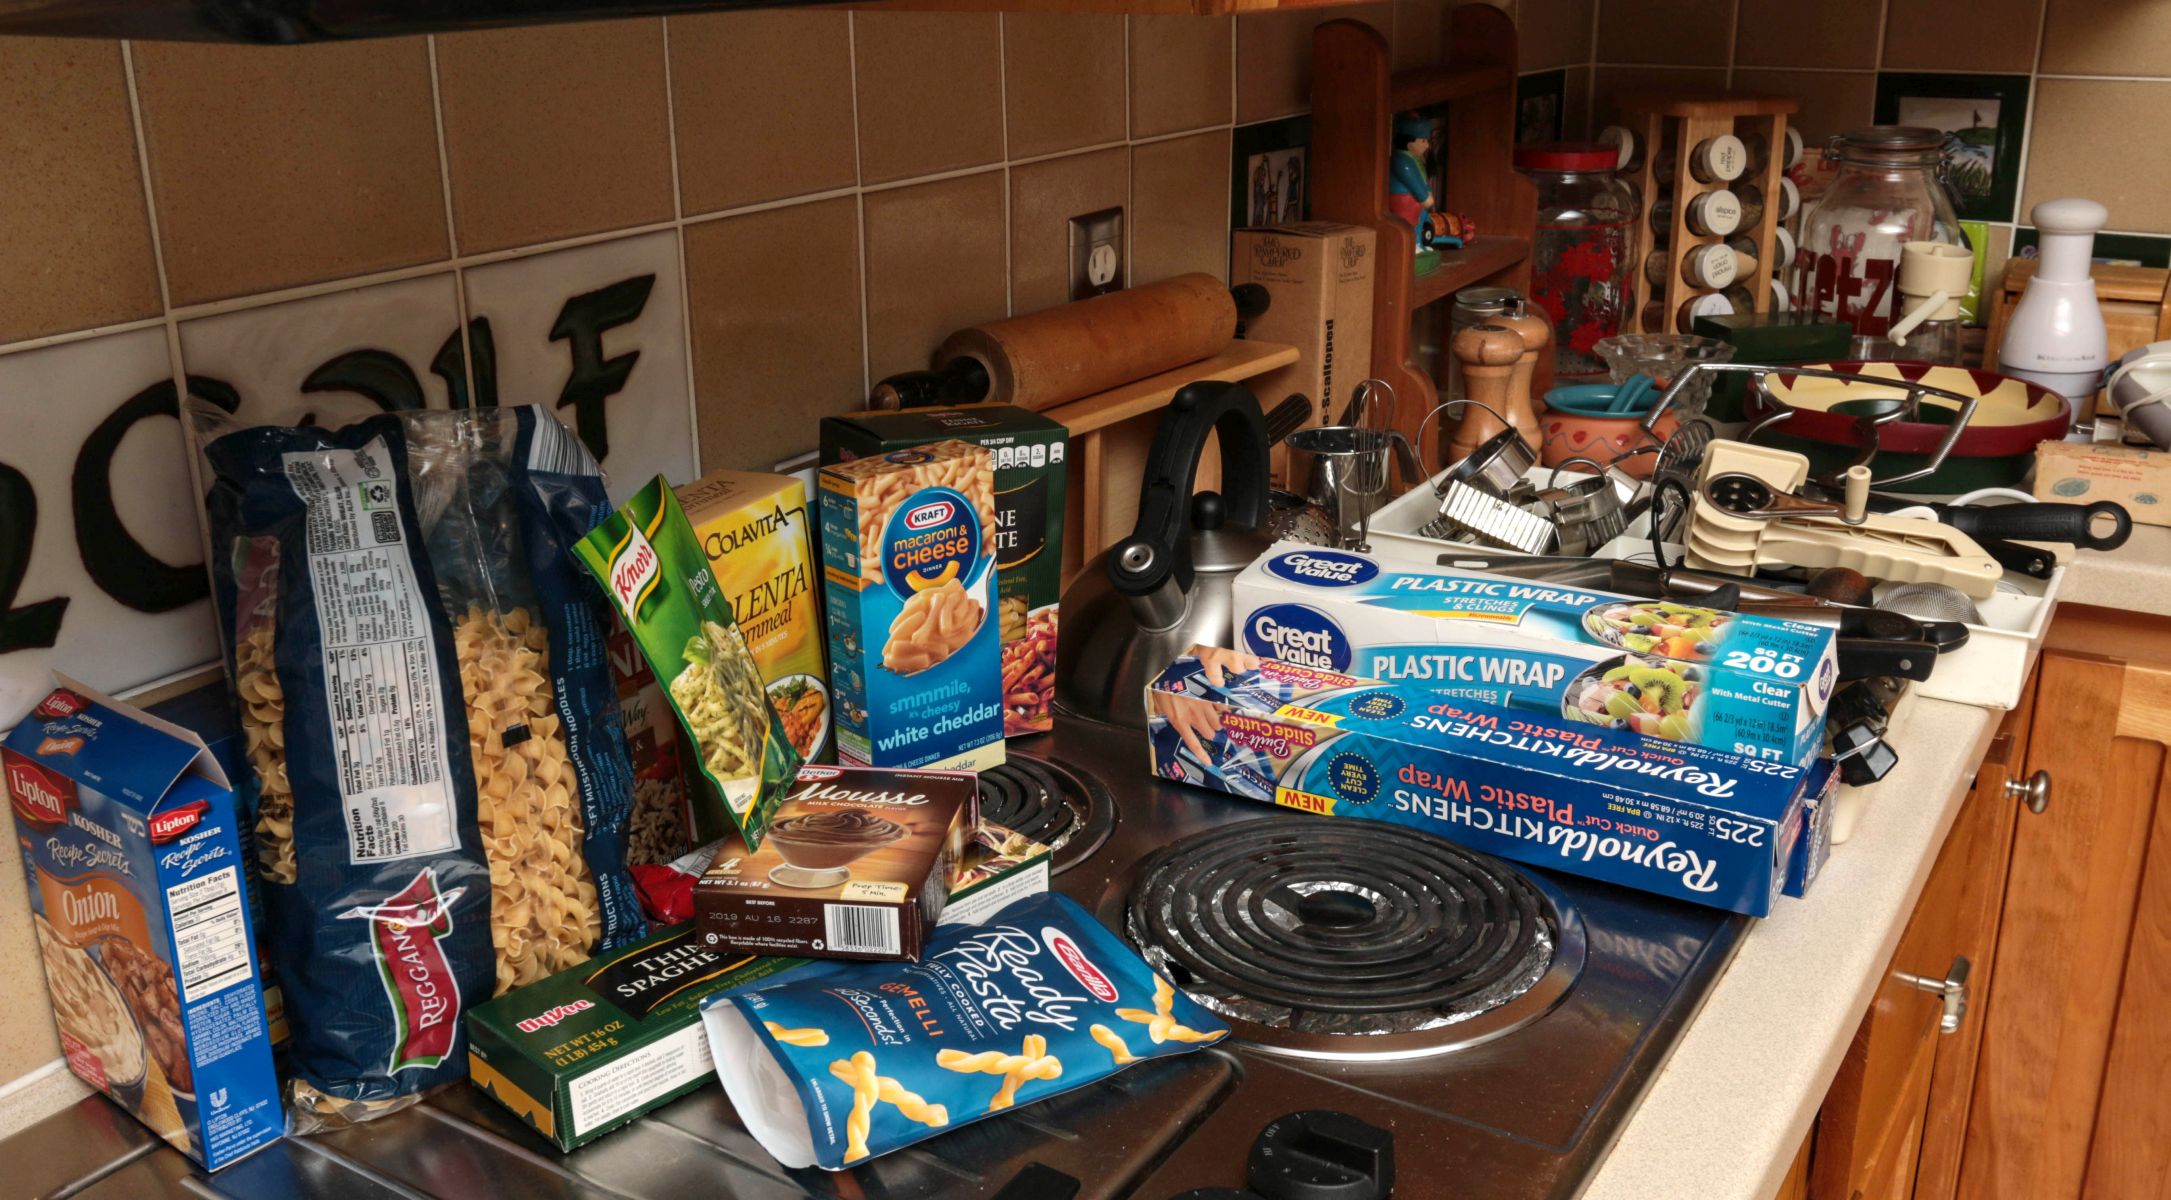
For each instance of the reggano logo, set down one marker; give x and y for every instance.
(1073, 958)
(927, 516)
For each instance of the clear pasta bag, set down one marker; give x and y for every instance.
(425, 701)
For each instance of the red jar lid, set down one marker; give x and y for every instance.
(1567, 156)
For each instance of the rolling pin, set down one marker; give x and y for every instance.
(1061, 354)
(1491, 355)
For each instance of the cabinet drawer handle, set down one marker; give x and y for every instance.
(2034, 791)
(1951, 991)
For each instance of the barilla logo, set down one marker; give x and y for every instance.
(174, 822)
(1081, 968)
(61, 703)
(633, 571)
(405, 929)
(929, 515)
(550, 1017)
(40, 797)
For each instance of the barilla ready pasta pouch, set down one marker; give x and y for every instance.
(658, 579)
(838, 1064)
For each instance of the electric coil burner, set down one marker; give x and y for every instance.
(1048, 803)
(1314, 929)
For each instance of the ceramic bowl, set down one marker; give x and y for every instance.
(1566, 433)
(2012, 416)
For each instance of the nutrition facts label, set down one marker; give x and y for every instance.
(210, 939)
(380, 668)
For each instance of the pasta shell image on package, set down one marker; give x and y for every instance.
(836, 1064)
(660, 582)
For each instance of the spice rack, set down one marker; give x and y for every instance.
(1677, 123)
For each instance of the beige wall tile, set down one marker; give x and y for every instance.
(1063, 81)
(930, 92)
(2083, 143)
(764, 105)
(77, 245)
(934, 265)
(2124, 37)
(1274, 56)
(1554, 33)
(1961, 35)
(1180, 71)
(1995, 256)
(1832, 101)
(553, 131)
(1420, 37)
(1179, 217)
(1674, 33)
(1792, 33)
(1044, 196)
(277, 166)
(1609, 84)
(1576, 104)
(776, 329)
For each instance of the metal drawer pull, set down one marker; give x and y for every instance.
(1951, 990)
(2035, 790)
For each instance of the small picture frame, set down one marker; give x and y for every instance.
(1541, 106)
(1269, 176)
(1984, 119)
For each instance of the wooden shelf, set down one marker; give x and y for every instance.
(1481, 258)
(1240, 360)
(1438, 85)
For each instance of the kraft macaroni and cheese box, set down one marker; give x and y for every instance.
(1744, 684)
(1678, 819)
(131, 841)
(915, 654)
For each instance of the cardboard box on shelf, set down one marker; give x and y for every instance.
(1319, 277)
(2076, 473)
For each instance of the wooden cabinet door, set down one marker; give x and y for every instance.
(1871, 1131)
(2070, 1094)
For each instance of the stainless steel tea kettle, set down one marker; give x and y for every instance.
(1167, 585)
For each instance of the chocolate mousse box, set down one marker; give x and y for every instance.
(856, 864)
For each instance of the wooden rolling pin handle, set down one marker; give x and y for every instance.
(1490, 354)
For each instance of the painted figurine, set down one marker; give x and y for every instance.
(1409, 188)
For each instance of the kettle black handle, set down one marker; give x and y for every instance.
(1160, 545)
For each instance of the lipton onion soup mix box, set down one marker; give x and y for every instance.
(130, 840)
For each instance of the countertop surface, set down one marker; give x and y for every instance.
(1733, 1104)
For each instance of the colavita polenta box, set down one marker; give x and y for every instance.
(589, 1049)
(755, 529)
(131, 842)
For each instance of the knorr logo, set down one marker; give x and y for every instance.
(405, 929)
(633, 571)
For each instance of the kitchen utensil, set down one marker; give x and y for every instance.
(1491, 355)
(1585, 514)
(2055, 337)
(1840, 585)
(1884, 547)
(1364, 486)
(1287, 417)
(1292, 518)
(1344, 472)
(2019, 557)
(1552, 568)
(1930, 602)
(1818, 409)
(1875, 658)
(2139, 386)
(1059, 354)
(1166, 587)
(1858, 718)
(2073, 524)
(1665, 357)
(1489, 520)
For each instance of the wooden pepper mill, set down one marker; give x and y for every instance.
(1537, 335)
(1491, 355)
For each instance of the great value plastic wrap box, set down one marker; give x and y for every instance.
(1743, 684)
(1680, 820)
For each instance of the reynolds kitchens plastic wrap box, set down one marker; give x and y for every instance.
(908, 564)
(1677, 819)
(1028, 451)
(131, 841)
(757, 531)
(1745, 684)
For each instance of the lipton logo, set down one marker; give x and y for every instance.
(1081, 968)
(551, 1016)
(174, 822)
(633, 571)
(929, 515)
(405, 932)
(61, 703)
(40, 796)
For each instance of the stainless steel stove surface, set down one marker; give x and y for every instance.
(1500, 1022)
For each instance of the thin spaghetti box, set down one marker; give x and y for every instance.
(1744, 684)
(594, 1046)
(1680, 820)
(131, 841)
(857, 864)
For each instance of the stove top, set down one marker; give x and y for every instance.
(1501, 1022)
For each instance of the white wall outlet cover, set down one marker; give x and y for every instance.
(1096, 253)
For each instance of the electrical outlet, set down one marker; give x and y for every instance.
(1096, 253)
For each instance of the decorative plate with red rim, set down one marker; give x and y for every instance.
(2011, 415)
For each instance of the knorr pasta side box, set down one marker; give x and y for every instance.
(915, 662)
(660, 582)
(754, 527)
(132, 845)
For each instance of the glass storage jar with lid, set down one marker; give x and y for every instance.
(1888, 192)
(1580, 263)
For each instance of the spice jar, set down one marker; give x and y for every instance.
(1709, 266)
(1580, 259)
(1886, 193)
